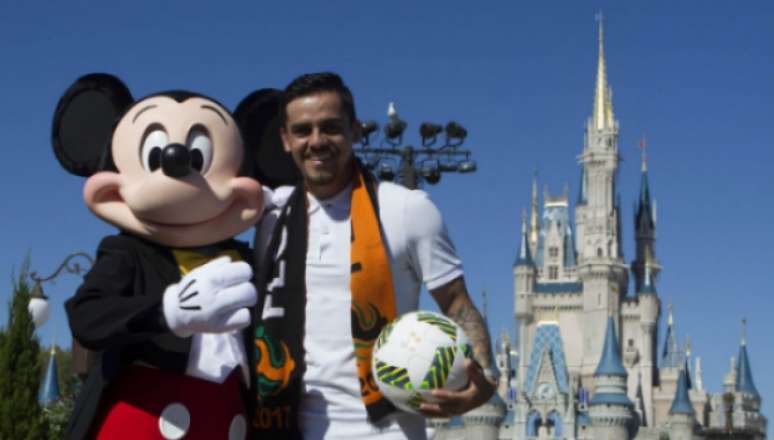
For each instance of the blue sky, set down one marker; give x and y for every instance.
(695, 78)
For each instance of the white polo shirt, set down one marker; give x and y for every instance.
(420, 251)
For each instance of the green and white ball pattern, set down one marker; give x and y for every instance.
(417, 353)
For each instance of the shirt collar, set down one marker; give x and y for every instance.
(340, 202)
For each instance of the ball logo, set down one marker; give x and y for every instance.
(393, 376)
(439, 370)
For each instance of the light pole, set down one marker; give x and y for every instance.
(416, 164)
(39, 307)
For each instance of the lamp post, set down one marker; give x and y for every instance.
(415, 164)
(39, 307)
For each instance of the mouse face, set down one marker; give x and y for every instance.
(170, 165)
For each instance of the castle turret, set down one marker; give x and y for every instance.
(650, 310)
(746, 399)
(736, 412)
(671, 355)
(672, 360)
(744, 380)
(645, 231)
(600, 263)
(611, 410)
(682, 418)
(524, 275)
(600, 169)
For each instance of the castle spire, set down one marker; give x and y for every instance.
(671, 354)
(644, 188)
(524, 258)
(49, 390)
(644, 228)
(682, 402)
(611, 410)
(534, 226)
(610, 364)
(603, 103)
(744, 379)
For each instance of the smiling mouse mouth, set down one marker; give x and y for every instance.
(183, 224)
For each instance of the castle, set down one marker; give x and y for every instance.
(587, 363)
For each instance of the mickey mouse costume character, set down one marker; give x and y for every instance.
(167, 302)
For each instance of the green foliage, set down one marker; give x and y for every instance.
(56, 416)
(20, 369)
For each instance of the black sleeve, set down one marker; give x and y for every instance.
(106, 311)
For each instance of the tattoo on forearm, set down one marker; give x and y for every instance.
(464, 313)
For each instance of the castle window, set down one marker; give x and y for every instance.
(553, 251)
(553, 272)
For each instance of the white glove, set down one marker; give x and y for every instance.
(213, 298)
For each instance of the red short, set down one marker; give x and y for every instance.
(149, 403)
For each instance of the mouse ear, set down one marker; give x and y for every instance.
(258, 116)
(84, 121)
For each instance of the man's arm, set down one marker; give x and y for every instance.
(454, 302)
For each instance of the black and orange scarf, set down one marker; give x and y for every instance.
(279, 350)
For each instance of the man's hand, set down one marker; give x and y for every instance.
(453, 403)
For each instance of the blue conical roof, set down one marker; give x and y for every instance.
(671, 357)
(610, 364)
(644, 216)
(744, 379)
(682, 402)
(644, 190)
(49, 390)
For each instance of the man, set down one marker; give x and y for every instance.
(341, 256)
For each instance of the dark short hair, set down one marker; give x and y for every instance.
(311, 83)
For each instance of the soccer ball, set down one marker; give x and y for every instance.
(417, 353)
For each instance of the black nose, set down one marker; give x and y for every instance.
(175, 160)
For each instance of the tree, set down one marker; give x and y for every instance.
(20, 415)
